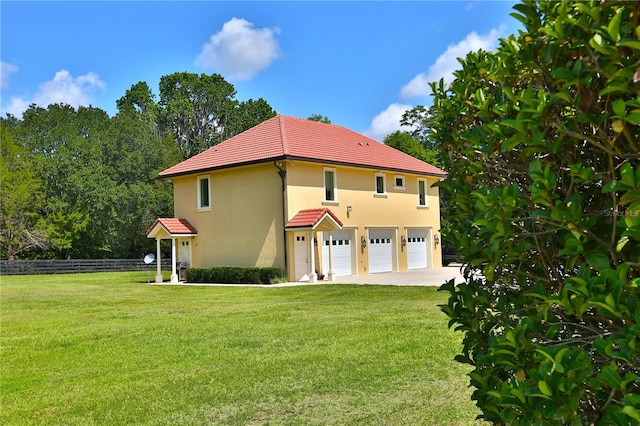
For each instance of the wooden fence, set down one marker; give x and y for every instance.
(72, 266)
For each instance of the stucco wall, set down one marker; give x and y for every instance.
(244, 225)
(397, 210)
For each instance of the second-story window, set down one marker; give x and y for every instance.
(422, 193)
(330, 190)
(381, 186)
(204, 193)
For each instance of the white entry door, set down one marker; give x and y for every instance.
(417, 248)
(301, 254)
(380, 251)
(341, 252)
(184, 251)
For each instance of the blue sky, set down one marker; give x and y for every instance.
(359, 63)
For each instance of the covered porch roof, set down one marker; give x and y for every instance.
(165, 228)
(314, 220)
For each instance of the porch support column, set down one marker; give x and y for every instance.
(174, 275)
(313, 277)
(331, 276)
(158, 262)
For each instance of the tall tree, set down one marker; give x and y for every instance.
(22, 198)
(426, 124)
(246, 115)
(66, 146)
(417, 119)
(404, 142)
(141, 197)
(544, 140)
(196, 109)
(139, 100)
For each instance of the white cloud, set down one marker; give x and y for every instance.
(64, 88)
(239, 51)
(388, 121)
(6, 69)
(447, 63)
(16, 107)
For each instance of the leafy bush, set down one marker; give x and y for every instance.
(235, 275)
(544, 140)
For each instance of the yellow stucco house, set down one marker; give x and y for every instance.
(314, 199)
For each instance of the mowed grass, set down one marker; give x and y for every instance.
(108, 349)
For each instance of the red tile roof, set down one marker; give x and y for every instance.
(174, 226)
(284, 137)
(310, 218)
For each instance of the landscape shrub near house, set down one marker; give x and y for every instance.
(235, 275)
(544, 187)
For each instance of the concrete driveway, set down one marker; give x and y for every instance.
(415, 277)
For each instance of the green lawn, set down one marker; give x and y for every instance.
(108, 349)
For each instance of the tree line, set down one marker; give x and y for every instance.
(79, 183)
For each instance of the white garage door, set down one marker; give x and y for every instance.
(417, 248)
(341, 251)
(380, 251)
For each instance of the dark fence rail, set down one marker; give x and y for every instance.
(72, 266)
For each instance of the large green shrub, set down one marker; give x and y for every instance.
(544, 142)
(235, 275)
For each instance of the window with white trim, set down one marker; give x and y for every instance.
(381, 184)
(422, 193)
(398, 181)
(204, 193)
(330, 186)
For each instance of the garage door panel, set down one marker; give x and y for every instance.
(341, 250)
(417, 248)
(380, 251)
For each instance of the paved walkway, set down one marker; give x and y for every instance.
(417, 277)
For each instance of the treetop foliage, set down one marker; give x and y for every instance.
(404, 142)
(197, 111)
(543, 140)
(319, 118)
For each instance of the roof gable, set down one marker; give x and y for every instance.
(171, 227)
(314, 219)
(294, 138)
